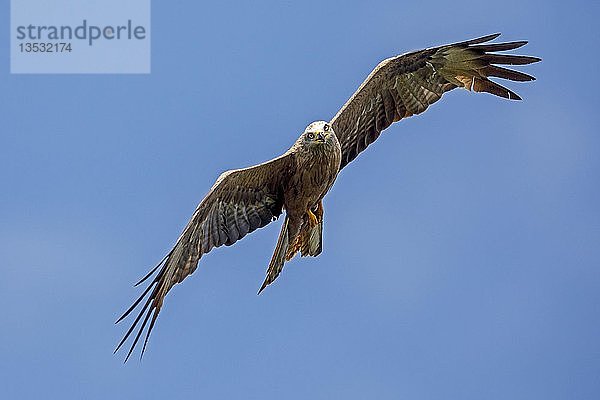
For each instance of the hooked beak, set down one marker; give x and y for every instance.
(321, 137)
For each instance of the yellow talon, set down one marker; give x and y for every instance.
(312, 218)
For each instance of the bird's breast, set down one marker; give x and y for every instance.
(315, 174)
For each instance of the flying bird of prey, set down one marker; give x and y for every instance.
(244, 200)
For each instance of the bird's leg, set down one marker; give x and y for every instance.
(315, 214)
(319, 210)
(312, 219)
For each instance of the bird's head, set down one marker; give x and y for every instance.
(318, 133)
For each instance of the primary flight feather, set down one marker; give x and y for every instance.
(244, 200)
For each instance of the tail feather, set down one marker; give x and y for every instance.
(278, 259)
(309, 242)
(312, 240)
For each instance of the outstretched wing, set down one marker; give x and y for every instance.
(406, 85)
(240, 202)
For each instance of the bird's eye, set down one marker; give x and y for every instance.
(310, 135)
(326, 128)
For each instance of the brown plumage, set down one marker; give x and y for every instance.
(408, 84)
(244, 200)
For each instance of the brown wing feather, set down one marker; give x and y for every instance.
(408, 84)
(240, 202)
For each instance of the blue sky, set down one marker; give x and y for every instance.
(461, 250)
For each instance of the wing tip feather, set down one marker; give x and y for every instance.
(482, 39)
